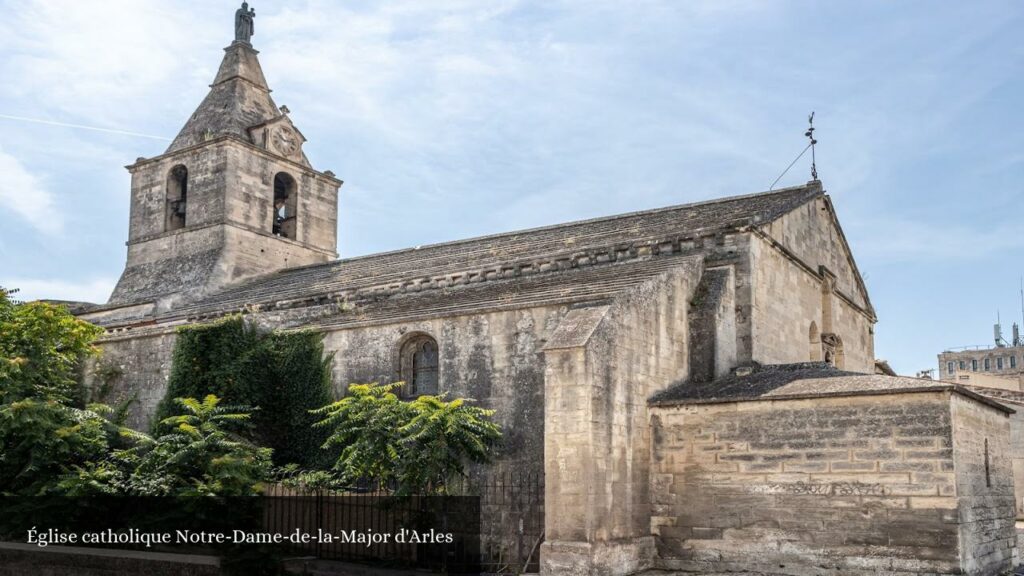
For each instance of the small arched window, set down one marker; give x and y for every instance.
(418, 365)
(814, 338)
(177, 198)
(286, 198)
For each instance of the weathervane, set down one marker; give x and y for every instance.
(814, 160)
(810, 136)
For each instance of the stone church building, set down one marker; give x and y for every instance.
(695, 383)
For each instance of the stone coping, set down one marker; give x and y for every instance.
(845, 394)
(1000, 394)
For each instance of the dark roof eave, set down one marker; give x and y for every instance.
(840, 394)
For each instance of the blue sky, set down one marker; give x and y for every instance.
(455, 118)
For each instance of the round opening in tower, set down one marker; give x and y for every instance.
(285, 202)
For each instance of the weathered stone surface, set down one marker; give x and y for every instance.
(596, 447)
(239, 98)
(713, 326)
(768, 485)
(985, 489)
(132, 369)
(567, 331)
(230, 164)
(805, 286)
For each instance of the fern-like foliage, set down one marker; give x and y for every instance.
(201, 453)
(418, 446)
(441, 438)
(52, 443)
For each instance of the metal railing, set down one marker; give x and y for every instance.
(506, 530)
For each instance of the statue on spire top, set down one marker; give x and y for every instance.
(244, 27)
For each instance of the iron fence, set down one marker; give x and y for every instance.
(498, 517)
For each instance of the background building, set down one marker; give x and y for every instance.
(1004, 358)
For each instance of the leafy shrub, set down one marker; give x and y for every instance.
(199, 455)
(43, 433)
(418, 446)
(41, 346)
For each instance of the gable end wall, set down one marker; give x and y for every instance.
(786, 292)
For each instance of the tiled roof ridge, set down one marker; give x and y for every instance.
(610, 255)
(812, 190)
(1015, 396)
(570, 258)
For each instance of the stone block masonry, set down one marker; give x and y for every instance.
(984, 478)
(892, 483)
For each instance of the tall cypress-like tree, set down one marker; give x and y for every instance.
(282, 374)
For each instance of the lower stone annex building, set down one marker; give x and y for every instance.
(695, 383)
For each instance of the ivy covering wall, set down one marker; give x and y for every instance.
(283, 374)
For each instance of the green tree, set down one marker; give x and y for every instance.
(364, 426)
(420, 446)
(283, 374)
(44, 436)
(291, 375)
(441, 439)
(43, 440)
(41, 346)
(201, 453)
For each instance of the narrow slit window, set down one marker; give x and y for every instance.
(177, 198)
(988, 474)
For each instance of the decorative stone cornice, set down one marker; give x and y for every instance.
(636, 250)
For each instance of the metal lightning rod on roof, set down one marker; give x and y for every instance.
(814, 168)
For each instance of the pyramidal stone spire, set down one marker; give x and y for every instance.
(233, 198)
(239, 97)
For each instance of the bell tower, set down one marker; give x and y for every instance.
(233, 197)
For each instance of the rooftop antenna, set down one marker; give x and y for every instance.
(814, 167)
(810, 136)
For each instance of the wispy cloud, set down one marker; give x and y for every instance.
(24, 194)
(902, 240)
(46, 122)
(96, 62)
(96, 290)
